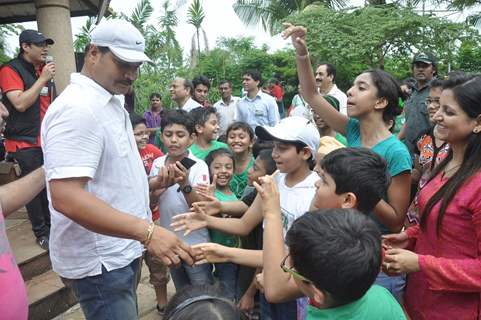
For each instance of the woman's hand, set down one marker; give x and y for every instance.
(395, 240)
(400, 261)
(298, 37)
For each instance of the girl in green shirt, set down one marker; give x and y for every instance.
(221, 168)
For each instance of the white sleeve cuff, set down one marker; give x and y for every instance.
(70, 172)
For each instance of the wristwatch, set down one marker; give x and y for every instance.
(186, 189)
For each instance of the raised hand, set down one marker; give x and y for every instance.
(48, 72)
(206, 191)
(212, 253)
(210, 206)
(190, 221)
(298, 37)
(166, 246)
(269, 193)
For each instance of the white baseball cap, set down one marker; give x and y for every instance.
(122, 38)
(292, 129)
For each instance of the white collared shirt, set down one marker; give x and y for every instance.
(227, 113)
(190, 104)
(262, 110)
(341, 97)
(87, 133)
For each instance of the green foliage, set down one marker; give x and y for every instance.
(7, 30)
(83, 37)
(270, 13)
(233, 56)
(383, 37)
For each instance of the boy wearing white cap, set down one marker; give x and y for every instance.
(98, 191)
(296, 141)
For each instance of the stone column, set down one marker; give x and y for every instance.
(53, 20)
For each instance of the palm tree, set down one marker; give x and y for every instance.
(196, 15)
(272, 12)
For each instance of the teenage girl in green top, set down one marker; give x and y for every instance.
(221, 168)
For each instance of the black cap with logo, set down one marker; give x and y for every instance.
(33, 36)
(425, 57)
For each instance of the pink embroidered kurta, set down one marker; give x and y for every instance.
(449, 283)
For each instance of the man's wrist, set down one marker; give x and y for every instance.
(302, 56)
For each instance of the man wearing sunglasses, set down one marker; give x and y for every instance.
(28, 91)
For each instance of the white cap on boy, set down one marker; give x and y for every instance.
(122, 38)
(292, 129)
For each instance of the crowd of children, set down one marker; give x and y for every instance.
(318, 209)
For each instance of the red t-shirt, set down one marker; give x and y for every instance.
(148, 155)
(10, 80)
(277, 92)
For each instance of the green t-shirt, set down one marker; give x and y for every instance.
(339, 137)
(219, 237)
(202, 154)
(239, 181)
(158, 142)
(376, 304)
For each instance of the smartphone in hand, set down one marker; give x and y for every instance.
(187, 162)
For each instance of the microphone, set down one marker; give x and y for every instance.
(49, 59)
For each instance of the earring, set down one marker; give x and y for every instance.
(476, 130)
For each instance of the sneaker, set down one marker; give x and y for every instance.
(161, 310)
(43, 242)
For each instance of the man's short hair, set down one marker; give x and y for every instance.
(330, 69)
(339, 250)
(176, 116)
(255, 75)
(360, 171)
(189, 85)
(201, 80)
(224, 82)
(200, 115)
(102, 50)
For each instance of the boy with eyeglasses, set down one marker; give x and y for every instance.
(334, 258)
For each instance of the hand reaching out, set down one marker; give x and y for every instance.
(190, 221)
(210, 206)
(212, 253)
(298, 37)
(166, 246)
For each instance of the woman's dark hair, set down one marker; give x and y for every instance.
(266, 157)
(240, 125)
(467, 93)
(155, 95)
(389, 89)
(202, 302)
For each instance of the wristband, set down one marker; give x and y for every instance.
(150, 232)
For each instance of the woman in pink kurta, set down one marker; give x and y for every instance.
(442, 255)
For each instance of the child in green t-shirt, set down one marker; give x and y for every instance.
(221, 168)
(240, 139)
(206, 128)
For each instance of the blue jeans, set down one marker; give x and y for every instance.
(395, 285)
(110, 295)
(228, 274)
(186, 275)
(278, 311)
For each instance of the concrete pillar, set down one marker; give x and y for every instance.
(53, 20)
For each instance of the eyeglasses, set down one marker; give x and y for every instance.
(292, 271)
(435, 102)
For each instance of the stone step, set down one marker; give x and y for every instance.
(48, 296)
(31, 259)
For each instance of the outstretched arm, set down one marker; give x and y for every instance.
(16, 194)
(216, 253)
(331, 116)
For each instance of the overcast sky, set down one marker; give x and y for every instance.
(220, 20)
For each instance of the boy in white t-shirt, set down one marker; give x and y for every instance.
(296, 141)
(182, 170)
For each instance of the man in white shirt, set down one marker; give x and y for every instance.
(325, 81)
(98, 191)
(226, 107)
(256, 108)
(181, 91)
